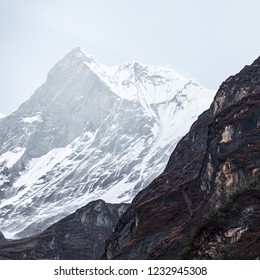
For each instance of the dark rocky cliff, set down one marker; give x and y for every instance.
(232, 231)
(81, 235)
(219, 155)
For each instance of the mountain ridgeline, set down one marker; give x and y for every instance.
(90, 132)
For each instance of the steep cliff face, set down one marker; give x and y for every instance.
(219, 155)
(231, 231)
(81, 235)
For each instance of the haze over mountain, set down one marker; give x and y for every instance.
(90, 132)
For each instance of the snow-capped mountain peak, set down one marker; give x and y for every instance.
(90, 132)
(80, 53)
(152, 85)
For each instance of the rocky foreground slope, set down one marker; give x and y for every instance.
(220, 155)
(81, 235)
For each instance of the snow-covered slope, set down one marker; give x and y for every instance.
(90, 132)
(2, 115)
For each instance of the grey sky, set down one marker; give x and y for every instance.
(201, 39)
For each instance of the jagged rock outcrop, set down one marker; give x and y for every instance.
(219, 155)
(81, 235)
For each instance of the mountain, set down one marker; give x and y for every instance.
(81, 235)
(217, 158)
(2, 115)
(90, 132)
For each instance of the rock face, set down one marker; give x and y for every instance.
(90, 132)
(219, 155)
(231, 231)
(81, 235)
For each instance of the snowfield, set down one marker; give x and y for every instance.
(90, 132)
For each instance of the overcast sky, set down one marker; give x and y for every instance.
(201, 39)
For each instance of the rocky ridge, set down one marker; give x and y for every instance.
(81, 235)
